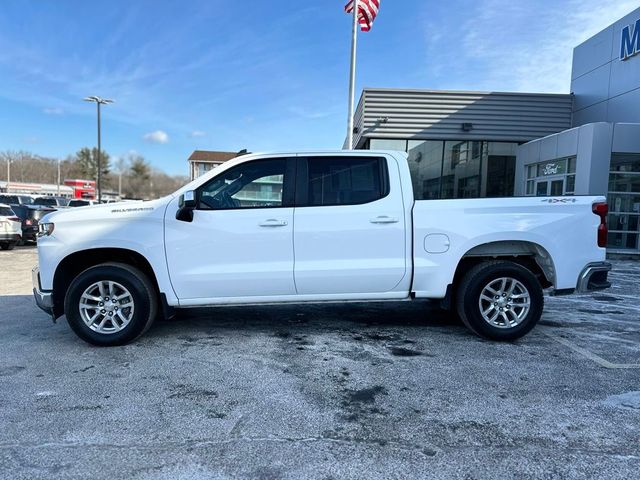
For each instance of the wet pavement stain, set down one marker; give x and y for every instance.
(606, 298)
(366, 395)
(406, 352)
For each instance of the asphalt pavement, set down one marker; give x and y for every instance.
(362, 391)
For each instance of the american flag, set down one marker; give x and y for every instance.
(367, 11)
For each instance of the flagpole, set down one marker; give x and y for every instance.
(352, 77)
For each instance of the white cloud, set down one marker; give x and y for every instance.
(520, 46)
(198, 134)
(157, 137)
(53, 111)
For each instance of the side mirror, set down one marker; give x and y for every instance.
(186, 205)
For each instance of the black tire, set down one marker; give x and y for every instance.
(471, 287)
(7, 245)
(142, 292)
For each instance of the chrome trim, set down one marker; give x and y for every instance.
(44, 299)
(587, 273)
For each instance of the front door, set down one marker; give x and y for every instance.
(240, 242)
(349, 233)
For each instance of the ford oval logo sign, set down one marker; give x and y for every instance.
(630, 41)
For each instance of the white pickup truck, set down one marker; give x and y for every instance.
(316, 227)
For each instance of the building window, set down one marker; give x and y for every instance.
(387, 144)
(461, 170)
(425, 165)
(457, 169)
(499, 176)
(551, 178)
(624, 202)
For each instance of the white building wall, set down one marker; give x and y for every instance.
(591, 144)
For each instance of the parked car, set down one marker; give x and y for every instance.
(55, 202)
(10, 231)
(29, 216)
(78, 202)
(12, 199)
(315, 227)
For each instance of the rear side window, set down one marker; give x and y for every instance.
(345, 180)
(6, 212)
(9, 199)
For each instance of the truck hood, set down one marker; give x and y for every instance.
(106, 212)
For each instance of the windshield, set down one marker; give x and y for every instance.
(26, 200)
(78, 203)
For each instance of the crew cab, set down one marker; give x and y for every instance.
(314, 227)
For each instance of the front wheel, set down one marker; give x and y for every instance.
(500, 300)
(110, 304)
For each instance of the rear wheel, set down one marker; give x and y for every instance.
(110, 304)
(7, 245)
(500, 300)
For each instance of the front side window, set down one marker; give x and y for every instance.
(345, 180)
(258, 184)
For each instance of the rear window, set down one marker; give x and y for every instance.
(20, 211)
(6, 212)
(51, 202)
(346, 180)
(78, 203)
(9, 199)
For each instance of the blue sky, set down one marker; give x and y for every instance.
(261, 75)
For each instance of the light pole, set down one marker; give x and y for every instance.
(98, 101)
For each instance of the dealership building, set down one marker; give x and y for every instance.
(494, 144)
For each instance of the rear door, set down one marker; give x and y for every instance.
(349, 225)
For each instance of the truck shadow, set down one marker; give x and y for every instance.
(307, 317)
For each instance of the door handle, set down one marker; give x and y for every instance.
(384, 219)
(272, 222)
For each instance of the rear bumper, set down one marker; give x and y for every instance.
(30, 233)
(594, 277)
(44, 299)
(9, 237)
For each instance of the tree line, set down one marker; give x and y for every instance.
(132, 175)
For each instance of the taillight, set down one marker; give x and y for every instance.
(602, 209)
(13, 219)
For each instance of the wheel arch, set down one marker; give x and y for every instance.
(530, 255)
(526, 253)
(75, 263)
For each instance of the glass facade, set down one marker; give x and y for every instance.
(456, 169)
(624, 202)
(551, 178)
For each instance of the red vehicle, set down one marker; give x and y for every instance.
(84, 189)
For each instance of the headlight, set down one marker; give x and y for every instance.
(45, 229)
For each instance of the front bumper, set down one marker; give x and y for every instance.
(44, 299)
(594, 277)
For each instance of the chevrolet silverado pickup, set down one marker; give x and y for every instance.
(315, 227)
